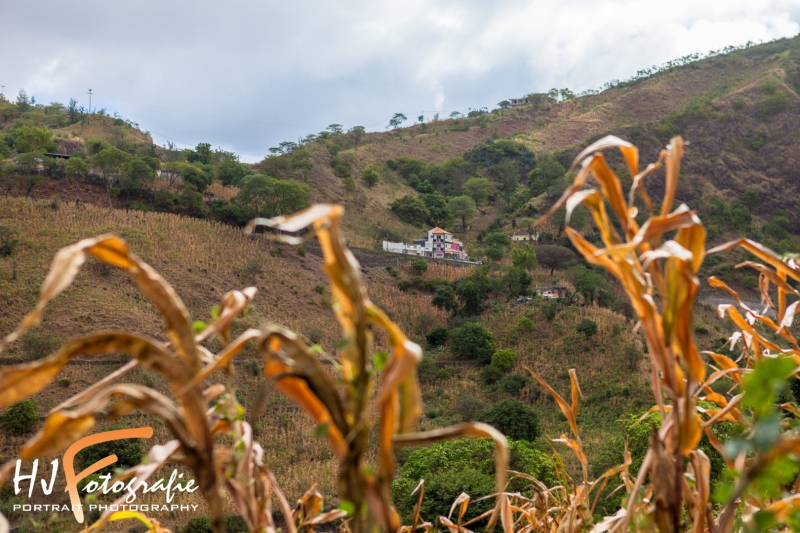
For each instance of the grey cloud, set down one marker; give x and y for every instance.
(246, 74)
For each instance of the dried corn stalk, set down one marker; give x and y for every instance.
(344, 413)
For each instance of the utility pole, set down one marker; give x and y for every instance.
(90, 101)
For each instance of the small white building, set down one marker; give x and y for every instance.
(524, 237)
(518, 101)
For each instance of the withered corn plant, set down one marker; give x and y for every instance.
(345, 412)
(657, 264)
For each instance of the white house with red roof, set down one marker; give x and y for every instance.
(438, 243)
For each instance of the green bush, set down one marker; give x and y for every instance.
(468, 406)
(587, 327)
(199, 524)
(491, 375)
(38, 345)
(452, 467)
(128, 452)
(437, 336)
(235, 524)
(513, 383)
(504, 359)
(472, 341)
(8, 240)
(20, 418)
(419, 266)
(514, 419)
(525, 324)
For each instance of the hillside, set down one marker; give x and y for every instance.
(738, 112)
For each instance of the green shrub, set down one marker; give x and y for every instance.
(235, 524)
(513, 383)
(504, 359)
(419, 266)
(491, 375)
(525, 324)
(128, 452)
(514, 419)
(199, 524)
(587, 326)
(437, 336)
(472, 341)
(64, 382)
(20, 418)
(37, 345)
(463, 465)
(468, 406)
(8, 240)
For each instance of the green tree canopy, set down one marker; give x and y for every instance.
(524, 257)
(513, 418)
(30, 139)
(554, 257)
(76, 168)
(231, 172)
(370, 176)
(472, 341)
(462, 207)
(410, 209)
(479, 189)
(273, 197)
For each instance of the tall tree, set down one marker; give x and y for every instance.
(524, 257)
(30, 139)
(462, 207)
(397, 119)
(114, 164)
(478, 189)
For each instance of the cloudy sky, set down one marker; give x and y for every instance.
(247, 74)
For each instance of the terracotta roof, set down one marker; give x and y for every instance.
(437, 230)
(452, 250)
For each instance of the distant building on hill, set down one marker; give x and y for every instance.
(524, 237)
(552, 291)
(518, 101)
(438, 243)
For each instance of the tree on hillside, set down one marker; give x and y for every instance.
(370, 176)
(396, 120)
(524, 257)
(410, 209)
(199, 178)
(472, 341)
(497, 238)
(23, 102)
(301, 160)
(230, 172)
(75, 169)
(554, 257)
(114, 164)
(272, 197)
(356, 134)
(437, 206)
(200, 154)
(547, 177)
(29, 139)
(478, 189)
(462, 207)
(505, 104)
